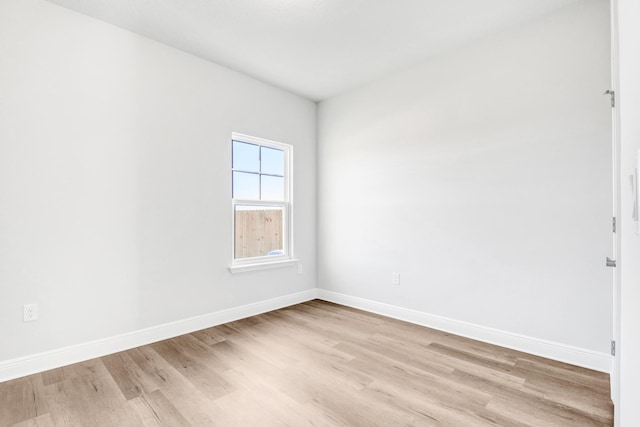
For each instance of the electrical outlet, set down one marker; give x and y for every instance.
(395, 278)
(30, 312)
(299, 268)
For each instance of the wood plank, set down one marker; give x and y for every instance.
(154, 409)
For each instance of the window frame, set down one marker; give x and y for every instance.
(266, 261)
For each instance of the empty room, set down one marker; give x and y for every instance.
(319, 213)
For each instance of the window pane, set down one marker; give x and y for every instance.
(246, 157)
(272, 188)
(258, 231)
(246, 185)
(272, 161)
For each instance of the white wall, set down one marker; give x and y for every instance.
(115, 184)
(627, 408)
(483, 176)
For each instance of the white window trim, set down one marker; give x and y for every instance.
(263, 266)
(274, 261)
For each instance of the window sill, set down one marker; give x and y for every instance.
(262, 266)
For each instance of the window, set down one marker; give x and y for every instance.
(261, 202)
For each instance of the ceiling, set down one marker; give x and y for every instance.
(314, 48)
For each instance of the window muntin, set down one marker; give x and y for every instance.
(261, 200)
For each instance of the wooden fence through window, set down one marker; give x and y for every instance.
(257, 232)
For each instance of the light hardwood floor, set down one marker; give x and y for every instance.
(316, 364)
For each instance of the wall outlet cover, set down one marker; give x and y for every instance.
(30, 312)
(395, 278)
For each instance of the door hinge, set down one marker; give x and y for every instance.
(611, 94)
(613, 223)
(613, 348)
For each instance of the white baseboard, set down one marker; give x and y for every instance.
(561, 352)
(20, 367)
